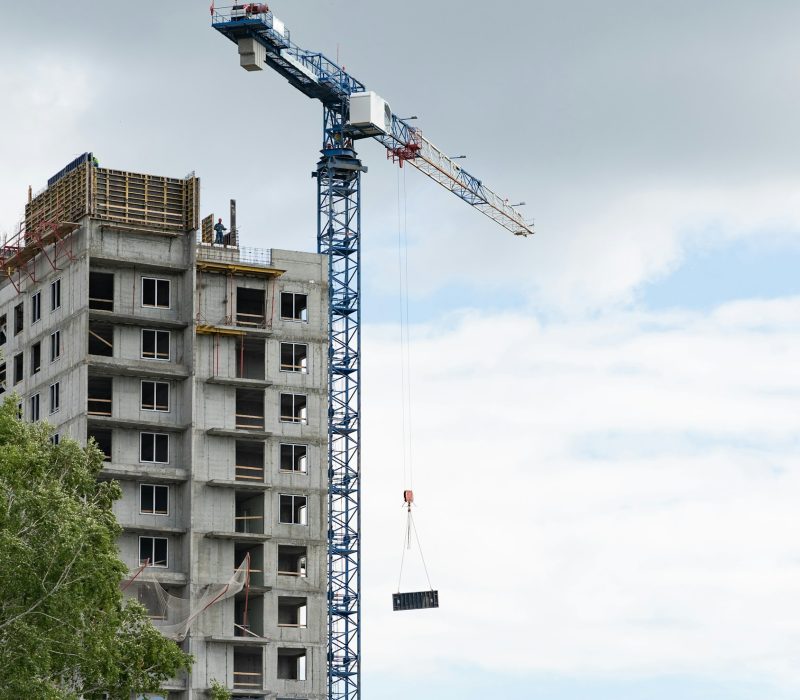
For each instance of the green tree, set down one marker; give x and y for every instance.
(219, 691)
(65, 630)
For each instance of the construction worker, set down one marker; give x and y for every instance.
(220, 229)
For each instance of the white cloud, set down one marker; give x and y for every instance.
(607, 496)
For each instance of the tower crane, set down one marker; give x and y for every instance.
(350, 113)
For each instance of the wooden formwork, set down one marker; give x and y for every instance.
(130, 199)
(66, 200)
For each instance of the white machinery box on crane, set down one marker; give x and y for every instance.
(370, 113)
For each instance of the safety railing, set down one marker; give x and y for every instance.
(246, 473)
(232, 255)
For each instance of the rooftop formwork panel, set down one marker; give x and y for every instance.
(134, 200)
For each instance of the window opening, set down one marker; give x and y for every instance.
(292, 612)
(294, 408)
(249, 617)
(256, 553)
(248, 669)
(19, 368)
(55, 397)
(55, 346)
(250, 409)
(294, 307)
(3, 329)
(36, 357)
(153, 551)
(155, 292)
(154, 447)
(34, 405)
(36, 307)
(292, 664)
(101, 339)
(100, 392)
(153, 499)
(294, 458)
(101, 291)
(250, 513)
(155, 344)
(292, 560)
(155, 396)
(293, 510)
(294, 357)
(19, 318)
(250, 307)
(249, 461)
(250, 358)
(102, 437)
(55, 295)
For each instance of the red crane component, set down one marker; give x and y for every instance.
(408, 497)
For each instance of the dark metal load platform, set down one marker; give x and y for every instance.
(415, 601)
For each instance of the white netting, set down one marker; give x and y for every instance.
(171, 615)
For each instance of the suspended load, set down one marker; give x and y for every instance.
(418, 600)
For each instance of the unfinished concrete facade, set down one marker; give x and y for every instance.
(200, 371)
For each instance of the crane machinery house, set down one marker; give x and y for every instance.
(200, 371)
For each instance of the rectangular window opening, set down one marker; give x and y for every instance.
(102, 438)
(153, 551)
(3, 329)
(101, 291)
(154, 448)
(292, 664)
(101, 339)
(250, 358)
(294, 307)
(248, 665)
(155, 292)
(293, 510)
(3, 378)
(256, 553)
(294, 458)
(19, 368)
(249, 461)
(294, 357)
(155, 396)
(100, 392)
(250, 307)
(153, 499)
(294, 408)
(55, 397)
(55, 295)
(36, 308)
(155, 344)
(292, 612)
(34, 406)
(55, 346)
(249, 513)
(36, 357)
(249, 409)
(292, 560)
(19, 318)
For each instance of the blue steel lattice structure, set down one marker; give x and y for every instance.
(262, 38)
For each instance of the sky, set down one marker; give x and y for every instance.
(603, 417)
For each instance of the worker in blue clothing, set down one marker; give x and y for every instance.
(220, 229)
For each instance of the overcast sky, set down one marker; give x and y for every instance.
(604, 415)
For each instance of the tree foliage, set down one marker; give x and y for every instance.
(65, 631)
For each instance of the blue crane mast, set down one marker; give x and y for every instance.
(350, 113)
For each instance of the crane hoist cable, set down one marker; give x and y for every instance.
(430, 597)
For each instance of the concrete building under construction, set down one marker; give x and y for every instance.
(200, 371)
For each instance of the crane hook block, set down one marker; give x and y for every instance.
(408, 496)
